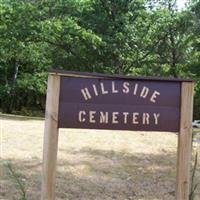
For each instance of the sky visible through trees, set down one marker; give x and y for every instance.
(181, 4)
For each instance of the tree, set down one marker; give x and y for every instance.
(140, 37)
(125, 28)
(36, 36)
(194, 64)
(172, 40)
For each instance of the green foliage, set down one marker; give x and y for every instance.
(141, 37)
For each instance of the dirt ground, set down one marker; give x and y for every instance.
(92, 165)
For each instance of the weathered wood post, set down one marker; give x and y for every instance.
(184, 142)
(50, 138)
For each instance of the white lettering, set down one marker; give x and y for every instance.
(114, 90)
(91, 116)
(154, 96)
(86, 94)
(114, 117)
(103, 117)
(145, 119)
(135, 118)
(144, 92)
(103, 89)
(95, 90)
(126, 87)
(156, 116)
(81, 117)
(135, 89)
(125, 117)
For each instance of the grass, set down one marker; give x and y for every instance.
(100, 165)
(194, 185)
(17, 180)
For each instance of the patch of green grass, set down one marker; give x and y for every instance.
(17, 180)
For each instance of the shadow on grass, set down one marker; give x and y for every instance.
(96, 174)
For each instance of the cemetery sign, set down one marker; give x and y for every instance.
(119, 104)
(115, 102)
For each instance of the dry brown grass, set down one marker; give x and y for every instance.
(92, 165)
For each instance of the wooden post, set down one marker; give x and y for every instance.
(50, 138)
(184, 142)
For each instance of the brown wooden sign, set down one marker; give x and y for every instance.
(97, 101)
(118, 104)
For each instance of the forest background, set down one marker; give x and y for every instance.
(132, 37)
